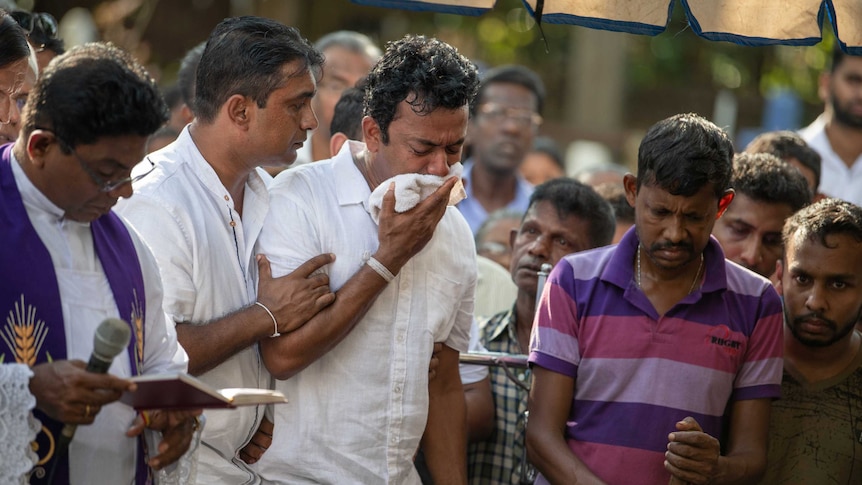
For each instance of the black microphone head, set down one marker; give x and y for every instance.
(112, 337)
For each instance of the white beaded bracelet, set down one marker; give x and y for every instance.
(378, 267)
(274, 323)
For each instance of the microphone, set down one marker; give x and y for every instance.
(112, 337)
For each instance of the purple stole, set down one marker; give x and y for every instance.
(31, 316)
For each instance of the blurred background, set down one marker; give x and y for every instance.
(604, 88)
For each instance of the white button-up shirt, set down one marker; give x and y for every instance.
(356, 415)
(836, 178)
(101, 452)
(205, 254)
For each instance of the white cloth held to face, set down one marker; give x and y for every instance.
(412, 188)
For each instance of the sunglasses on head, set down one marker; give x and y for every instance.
(41, 22)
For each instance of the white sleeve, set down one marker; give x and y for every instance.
(471, 374)
(18, 427)
(289, 236)
(162, 353)
(459, 337)
(172, 248)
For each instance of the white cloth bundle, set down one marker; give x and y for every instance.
(412, 188)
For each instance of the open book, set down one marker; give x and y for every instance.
(182, 391)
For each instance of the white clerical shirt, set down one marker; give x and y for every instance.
(101, 452)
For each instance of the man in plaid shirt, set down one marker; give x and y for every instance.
(564, 216)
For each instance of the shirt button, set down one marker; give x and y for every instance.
(226, 197)
(400, 337)
(398, 389)
(393, 440)
(232, 224)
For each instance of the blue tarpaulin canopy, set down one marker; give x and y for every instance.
(746, 22)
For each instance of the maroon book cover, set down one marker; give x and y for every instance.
(182, 391)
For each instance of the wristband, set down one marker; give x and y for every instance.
(274, 323)
(378, 268)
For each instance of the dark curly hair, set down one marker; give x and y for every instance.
(425, 72)
(93, 91)
(767, 178)
(684, 153)
(824, 218)
(245, 55)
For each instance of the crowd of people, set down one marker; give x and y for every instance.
(342, 223)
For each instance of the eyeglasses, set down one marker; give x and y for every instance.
(106, 185)
(499, 114)
(43, 24)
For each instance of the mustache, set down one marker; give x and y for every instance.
(814, 316)
(670, 245)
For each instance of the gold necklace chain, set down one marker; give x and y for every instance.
(693, 282)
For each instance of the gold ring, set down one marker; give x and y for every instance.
(86, 410)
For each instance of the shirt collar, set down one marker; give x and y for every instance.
(620, 268)
(502, 324)
(186, 149)
(31, 195)
(350, 184)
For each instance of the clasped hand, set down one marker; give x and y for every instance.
(692, 455)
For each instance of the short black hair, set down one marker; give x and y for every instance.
(787, 144)
(512, 74)
(615, 194)
(425, 72)
(13, 39)
(93, 91)
(823, 218)
(767, 178)
(245, 56)
(43, 30)
(684, 153)
(837, 57)
(572, 198)
(187, 74)
(347, 115)
(172, 95)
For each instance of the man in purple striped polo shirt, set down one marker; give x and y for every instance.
(656, 360)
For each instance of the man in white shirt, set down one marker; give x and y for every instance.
(361, 398)
(69, 263)
(203, 207)
(349, 56)
(837, 133)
